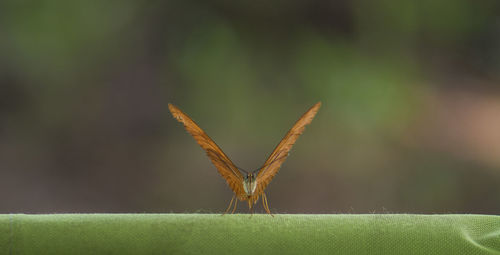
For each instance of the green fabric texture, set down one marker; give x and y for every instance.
(242, 234)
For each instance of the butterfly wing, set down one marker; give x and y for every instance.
(223, 164)
(280, 153)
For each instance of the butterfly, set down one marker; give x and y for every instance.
(247, 186)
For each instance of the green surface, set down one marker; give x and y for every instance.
(242, 234)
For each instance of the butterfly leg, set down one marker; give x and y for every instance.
(230, 204)
(235, 204)
(250, 206)
(265, 204)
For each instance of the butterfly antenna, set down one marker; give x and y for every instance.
(276, 158)
(242, 169)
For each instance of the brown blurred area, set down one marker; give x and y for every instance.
(410, 121)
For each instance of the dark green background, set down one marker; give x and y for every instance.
(410, 119)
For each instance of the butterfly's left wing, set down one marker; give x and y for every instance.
(222, 162)
(278, 156)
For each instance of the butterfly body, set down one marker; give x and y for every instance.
(247, 186)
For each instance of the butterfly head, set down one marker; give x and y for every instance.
(250, 183)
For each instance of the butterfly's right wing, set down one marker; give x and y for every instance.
(223, 164)
(278, 156)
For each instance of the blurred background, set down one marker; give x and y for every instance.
(410, 121)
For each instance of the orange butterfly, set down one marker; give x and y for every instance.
(247, 186)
